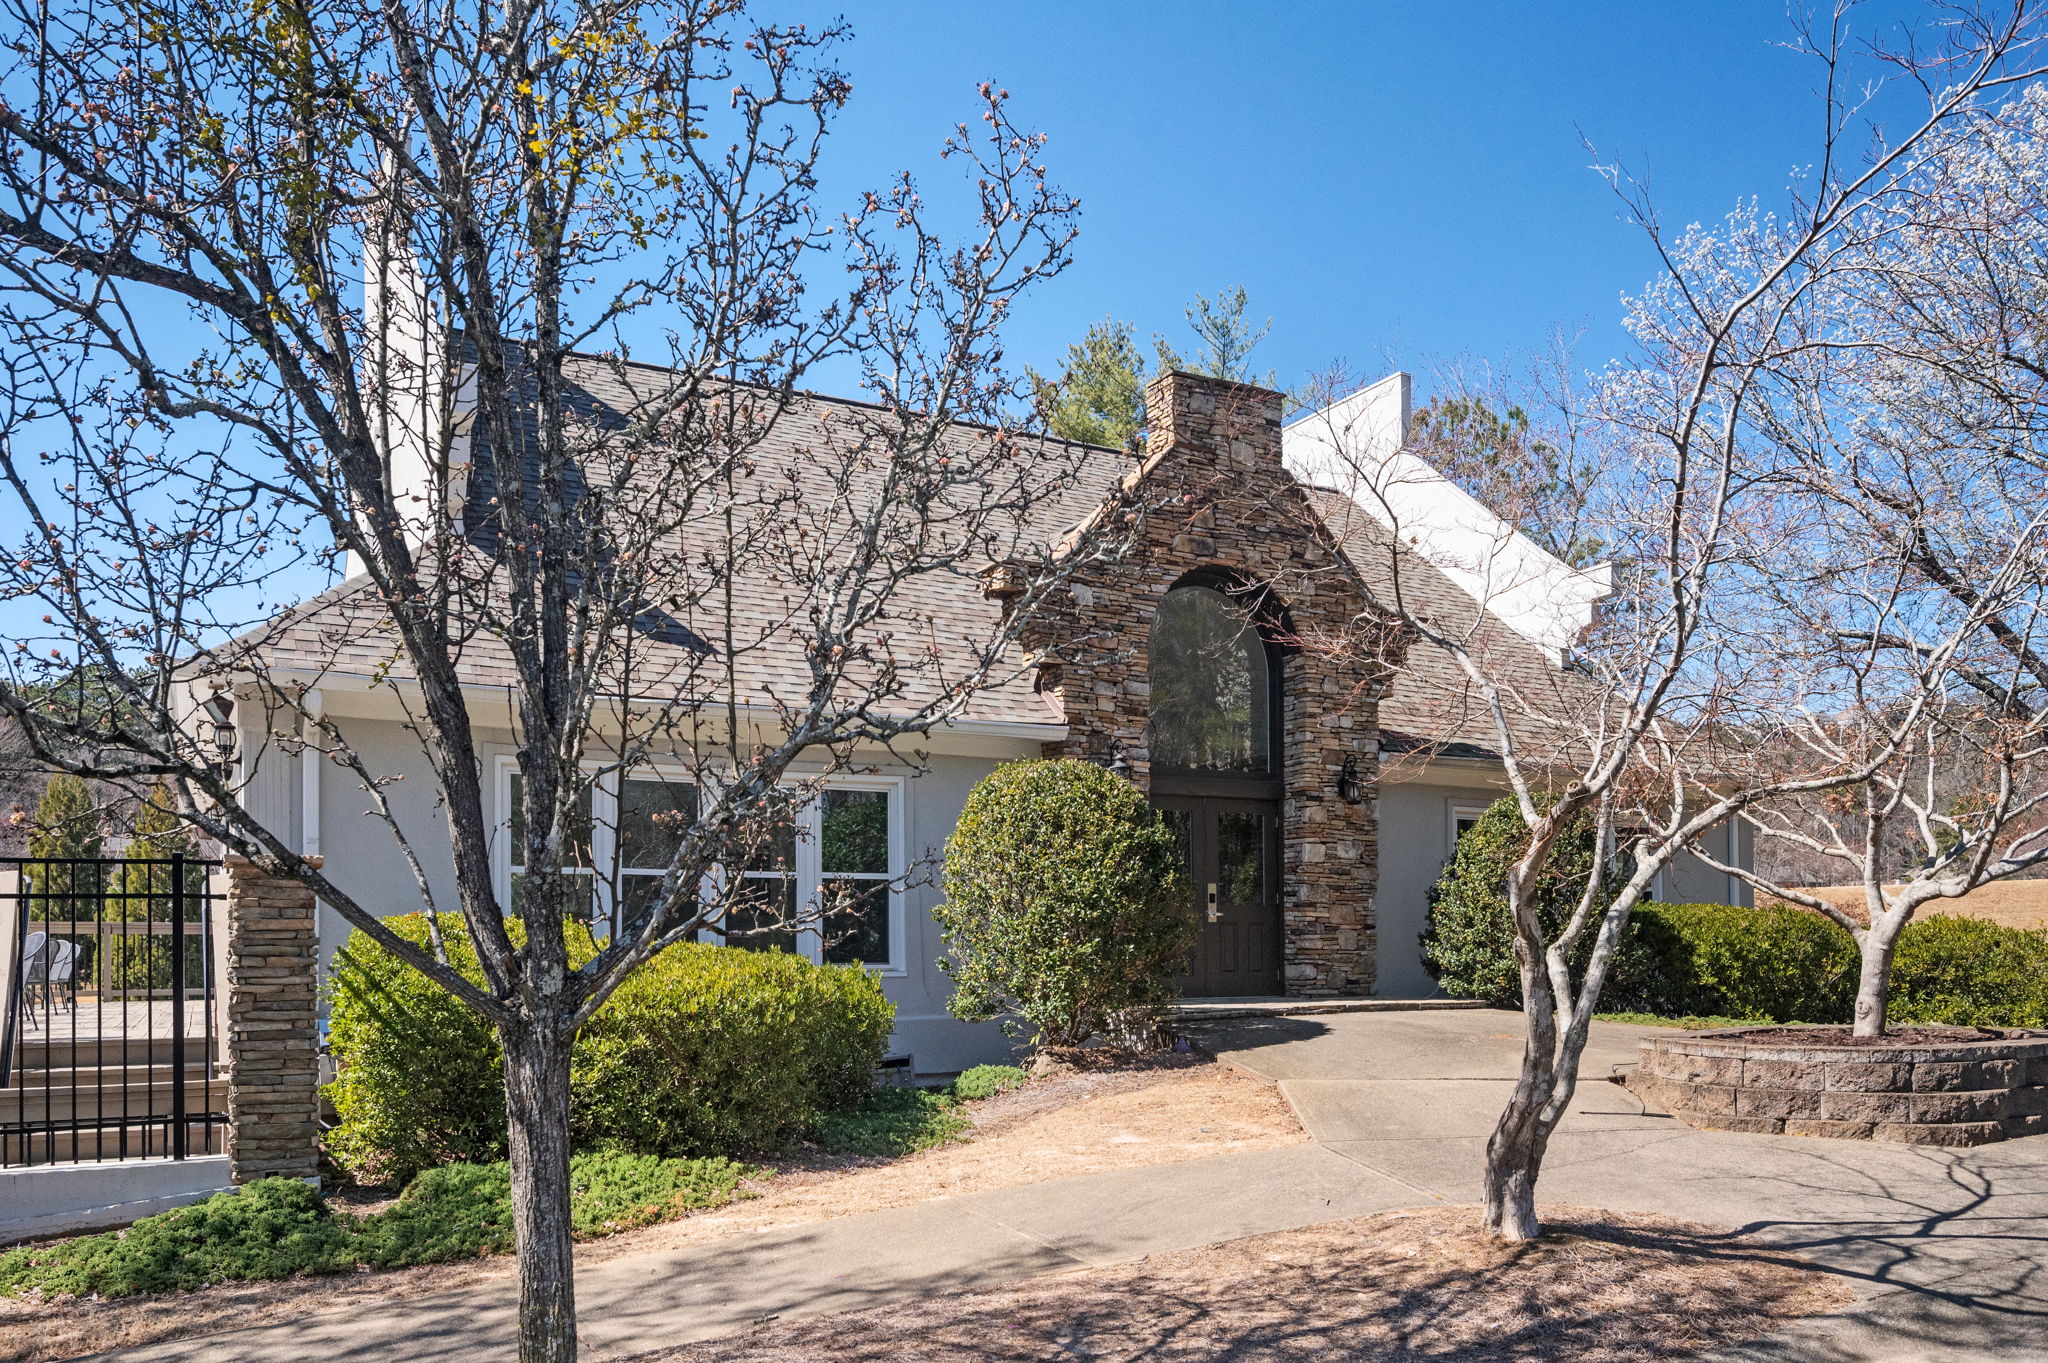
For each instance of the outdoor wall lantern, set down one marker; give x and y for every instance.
(1349, 788)
(1120, 765)
(219, 731)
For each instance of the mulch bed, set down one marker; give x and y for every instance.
(1602, 1287)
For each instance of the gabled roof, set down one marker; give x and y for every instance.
(1432, 707)
(346, 630)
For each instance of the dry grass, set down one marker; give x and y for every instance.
(1068, 1122)
(2013, 903)
(1605, 1287)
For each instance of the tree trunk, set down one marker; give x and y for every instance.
(537, 1113)
(1514, 1154)
(1874, 978)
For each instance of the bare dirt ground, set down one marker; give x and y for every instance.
(2014, 903)
(1071, 1121)
(1605, 1287)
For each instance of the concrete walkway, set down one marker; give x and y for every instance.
(1948, 1249)
(630, 1306)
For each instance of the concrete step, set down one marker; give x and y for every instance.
(112, 1102)
(111, 1141)
(104, 1076)
(43, 1053)
(1215, 1010)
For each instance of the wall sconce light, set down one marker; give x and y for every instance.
(1349, 788)
(1119, 765)
(218, 733)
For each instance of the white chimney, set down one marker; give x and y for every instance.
(419, 419)
(1356, 446)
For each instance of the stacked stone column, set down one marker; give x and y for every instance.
(269, 1027)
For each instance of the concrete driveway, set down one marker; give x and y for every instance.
(1949, 1249)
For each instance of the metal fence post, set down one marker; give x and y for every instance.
(13, 929)
(179, 1146)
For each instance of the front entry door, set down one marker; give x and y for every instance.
(1233, 855)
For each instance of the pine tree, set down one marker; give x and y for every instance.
(1099, 396)
(66, 827)
(66, 824)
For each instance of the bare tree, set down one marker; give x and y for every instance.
(1905, 463)
(1668, 674)
(616, 561)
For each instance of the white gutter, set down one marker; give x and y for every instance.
(478, 696)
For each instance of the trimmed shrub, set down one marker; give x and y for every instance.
(1066, 902)
(1780, 963)
(419, 1078)
(716, 1050)
(702, 1051)
(1789, 965)
(1971, 973)
(1469, 943)
(281, 1228)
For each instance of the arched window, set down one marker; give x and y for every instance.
(1212, 691)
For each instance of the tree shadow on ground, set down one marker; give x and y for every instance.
(1406, 1285)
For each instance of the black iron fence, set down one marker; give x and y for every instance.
(108, 1040)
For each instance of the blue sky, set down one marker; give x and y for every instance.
(1385, 178)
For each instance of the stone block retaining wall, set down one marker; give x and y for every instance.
(1954, 1093)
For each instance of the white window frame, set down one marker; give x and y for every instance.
(1454, 814)
(810, 876)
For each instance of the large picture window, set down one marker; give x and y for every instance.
(1211, 705)
(823, 883)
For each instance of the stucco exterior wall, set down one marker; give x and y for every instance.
(1417, 823)
(1415, 830)
(363, 857)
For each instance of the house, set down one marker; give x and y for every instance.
(1237, 661)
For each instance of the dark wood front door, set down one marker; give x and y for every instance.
(1233, 855)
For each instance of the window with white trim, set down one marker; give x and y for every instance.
(1464, 818)
(824, 883)
(577, 860)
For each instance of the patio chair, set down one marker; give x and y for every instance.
(23, 989)
(60, 972)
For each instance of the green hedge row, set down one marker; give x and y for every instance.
(703, 1051)
(1788, 965)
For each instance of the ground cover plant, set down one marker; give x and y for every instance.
(902, 1121)
(282, 1228)
(1688, 1022)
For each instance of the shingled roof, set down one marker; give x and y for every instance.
(1432, 708)
(792, 476)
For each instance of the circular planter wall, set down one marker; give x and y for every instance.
(1929, 1086)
